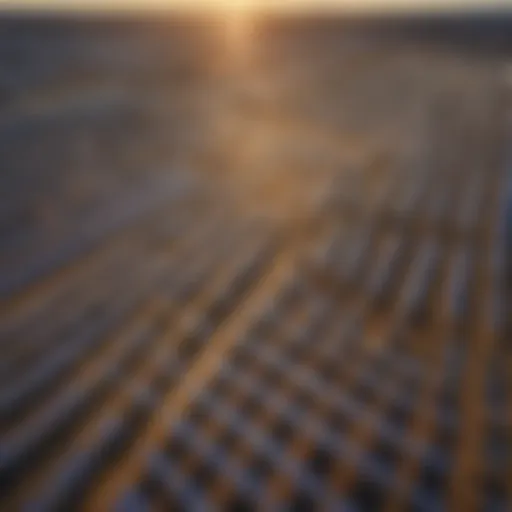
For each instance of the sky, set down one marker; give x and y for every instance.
(286, 5)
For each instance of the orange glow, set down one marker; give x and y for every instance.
(250, 5)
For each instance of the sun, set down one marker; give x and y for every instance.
(241, 5)
(224, 5)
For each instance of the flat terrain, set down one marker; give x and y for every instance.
(253, 266)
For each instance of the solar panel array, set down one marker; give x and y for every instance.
(177, 354)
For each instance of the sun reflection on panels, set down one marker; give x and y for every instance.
(239, 27)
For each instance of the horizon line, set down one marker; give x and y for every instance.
(218, 8)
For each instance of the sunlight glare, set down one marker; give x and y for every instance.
(239, 25)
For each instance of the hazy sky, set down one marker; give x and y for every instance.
(251, 4)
